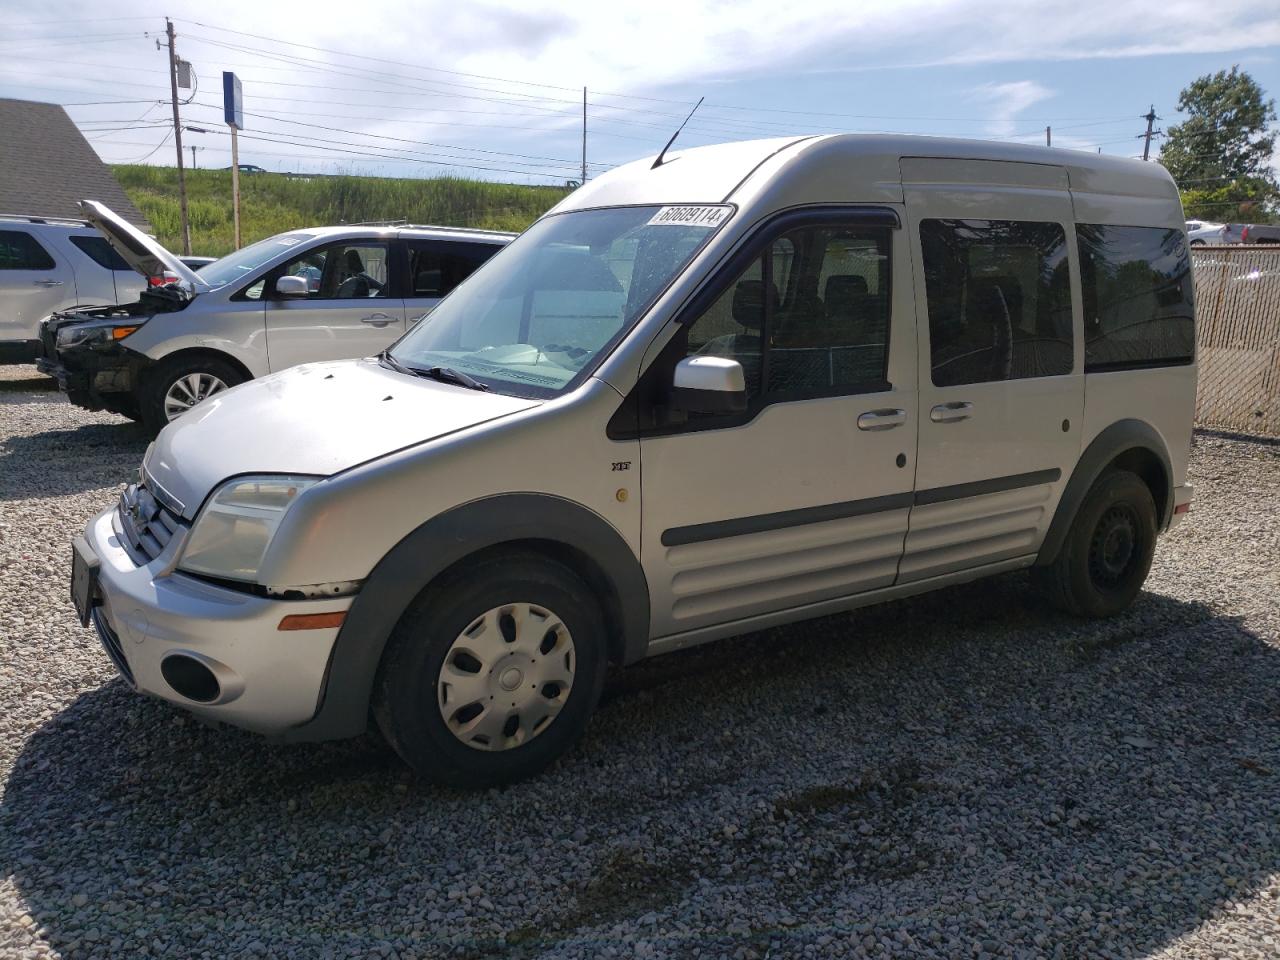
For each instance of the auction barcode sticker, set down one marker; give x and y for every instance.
(690, 216)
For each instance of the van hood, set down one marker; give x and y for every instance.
(315, 419)
(141, 252)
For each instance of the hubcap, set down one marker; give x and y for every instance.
(185, 392)
(506, 677)
(1114, 552)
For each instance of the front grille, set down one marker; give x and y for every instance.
(111, 643)
(146, 524)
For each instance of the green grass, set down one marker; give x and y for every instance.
(272, 202)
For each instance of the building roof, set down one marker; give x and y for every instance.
(46, 165)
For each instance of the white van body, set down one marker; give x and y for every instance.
(938, 398)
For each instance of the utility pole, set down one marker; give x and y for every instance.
(177, 139)
(194, 148)
(584, 135)
(1048, 137)
(1151, 119)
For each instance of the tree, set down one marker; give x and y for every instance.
(1221, 154)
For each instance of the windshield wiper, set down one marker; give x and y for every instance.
(443, 374)
(450, 375)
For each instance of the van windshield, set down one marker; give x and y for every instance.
(537, 318)
(233, 266)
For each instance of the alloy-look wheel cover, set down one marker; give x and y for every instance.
(506, 677)
(185, 392)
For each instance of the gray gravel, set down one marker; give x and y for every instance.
(960, 775)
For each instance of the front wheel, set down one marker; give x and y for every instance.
(492, 673)
(1108, 551)
(177, 384)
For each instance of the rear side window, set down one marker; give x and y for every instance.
(100, 252)
(436, 267)
(1137, 289)
(21, 251)
(999, 300)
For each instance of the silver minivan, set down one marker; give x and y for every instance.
(752, 384)
(324, 293)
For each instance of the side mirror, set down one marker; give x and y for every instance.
(290, 287)
(709, 385)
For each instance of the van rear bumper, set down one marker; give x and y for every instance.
(1181, 504)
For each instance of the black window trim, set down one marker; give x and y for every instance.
(624, 425)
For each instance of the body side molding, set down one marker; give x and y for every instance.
(438, 544)
(1120, 437)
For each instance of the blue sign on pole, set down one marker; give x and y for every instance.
(232, 100)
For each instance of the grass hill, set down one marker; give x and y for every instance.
(272, 202)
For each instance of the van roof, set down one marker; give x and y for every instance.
(863, 166)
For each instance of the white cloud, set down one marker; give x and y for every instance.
(1006, 101)
(640, 48)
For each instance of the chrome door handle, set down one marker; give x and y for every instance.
(376, 320)
(952, 412)
(882, 419)
(421, 318)
(47, 283)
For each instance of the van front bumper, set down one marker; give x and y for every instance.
(155, 623)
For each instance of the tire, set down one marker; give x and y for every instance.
(434, 724)
(163, 386)
(1107, 553)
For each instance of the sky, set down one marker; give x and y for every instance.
(493, 89)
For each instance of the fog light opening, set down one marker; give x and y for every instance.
(190, 678)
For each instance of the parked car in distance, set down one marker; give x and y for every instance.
(756, 383)
(327, 293)
(1250, 233)
(196, 263)
(49, 264)
(1202, 232)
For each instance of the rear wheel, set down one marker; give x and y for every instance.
(177, 384)
(1108, 551)
(492, 673)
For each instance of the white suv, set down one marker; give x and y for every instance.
(753, 384)
(49, 264)
(325, 293)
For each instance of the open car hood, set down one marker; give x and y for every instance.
(141, 252)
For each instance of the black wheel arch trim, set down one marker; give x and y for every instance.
(437, 545)
(1117, 439)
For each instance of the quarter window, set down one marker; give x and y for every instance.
(809, 317)
(100, 252)
(21, 251)
(1137, 290)
(999, 300)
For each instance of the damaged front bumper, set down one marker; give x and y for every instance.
(94, 374)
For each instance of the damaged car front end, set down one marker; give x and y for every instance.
(87, 350)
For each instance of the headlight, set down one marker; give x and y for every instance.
(234, 529)
(81, 334)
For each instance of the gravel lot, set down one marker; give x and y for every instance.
(960, 775)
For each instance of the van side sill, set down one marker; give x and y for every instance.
(822, 608)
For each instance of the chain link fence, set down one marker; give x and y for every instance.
(1238, 338)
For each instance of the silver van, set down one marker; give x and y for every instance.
(325, 293)
(752, 384)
